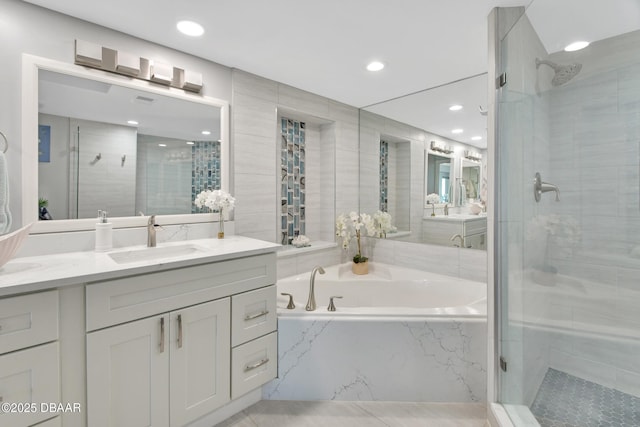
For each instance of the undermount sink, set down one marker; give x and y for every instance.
(148, 254)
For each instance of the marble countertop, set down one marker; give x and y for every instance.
(36, 273)
(457, 217)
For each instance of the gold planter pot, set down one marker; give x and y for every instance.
(360, 268)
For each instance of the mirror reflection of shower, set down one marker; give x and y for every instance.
(563, 73)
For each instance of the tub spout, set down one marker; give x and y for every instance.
(311, 303)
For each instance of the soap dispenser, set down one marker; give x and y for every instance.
(104, 233)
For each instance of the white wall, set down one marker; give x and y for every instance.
(25, 28)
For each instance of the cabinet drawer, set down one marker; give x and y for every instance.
(476, 226)
(253, 364)
(130, 298)
(29, 377)
(28, 320)
(253, 314)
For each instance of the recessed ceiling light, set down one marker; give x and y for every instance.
(162, 145)
(132, 122)
(455, 107)
(576, 46)
(190, 142)
(457, 131)
(190, 28)
(476, 138)
(375, 66)
(206, 132)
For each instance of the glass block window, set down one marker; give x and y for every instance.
(384, 175)
(205, 169)
(292, 188)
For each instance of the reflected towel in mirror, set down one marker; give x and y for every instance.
(5, 214)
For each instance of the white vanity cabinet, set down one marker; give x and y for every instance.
(29, 357)
(159, 345)
(441, 229)
(160, 371)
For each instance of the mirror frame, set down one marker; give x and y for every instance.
(31, 65)
(453, 171)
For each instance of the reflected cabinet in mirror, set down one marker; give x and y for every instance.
(124, 146)
(409, 156)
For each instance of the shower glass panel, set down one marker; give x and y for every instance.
(569, 275)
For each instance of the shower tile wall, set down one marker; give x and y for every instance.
(595, 133)
(205, 169)
(293, 177)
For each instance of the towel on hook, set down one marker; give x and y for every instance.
(5, 214)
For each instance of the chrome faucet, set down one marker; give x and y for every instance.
(151, 231)
(457, 236)
(446, 209)
(311, 303)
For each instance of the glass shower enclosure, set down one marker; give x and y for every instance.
(568, 243)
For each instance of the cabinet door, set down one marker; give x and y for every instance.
(128, 374)
(29, 377)
(200, 360)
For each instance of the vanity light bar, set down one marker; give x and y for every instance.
(472, 155)
(441, 147)
(119, 62)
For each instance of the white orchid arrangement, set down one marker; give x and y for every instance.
(433, 198)
(382, 221)
(355, 225)
(215, 200)
(563, 230)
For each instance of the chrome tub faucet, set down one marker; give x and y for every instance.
(311, 303)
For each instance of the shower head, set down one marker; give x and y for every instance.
(563, 73)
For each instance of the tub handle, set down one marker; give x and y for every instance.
(332, 306)
(291, 305)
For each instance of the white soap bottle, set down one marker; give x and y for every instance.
(104, 233)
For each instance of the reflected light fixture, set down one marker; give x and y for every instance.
(455, 107)
(162, 145)
(132, 122)
(375, 66)
(190, 142)
(206, 132)
(190, 28)
(572, 47)
(476, 138)
(456, 131)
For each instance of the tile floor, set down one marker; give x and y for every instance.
(279, 413)
(567, 401)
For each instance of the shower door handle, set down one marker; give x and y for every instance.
(540, 187)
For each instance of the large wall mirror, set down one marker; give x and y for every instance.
(440, 174)
(103, 141)
(437, 138)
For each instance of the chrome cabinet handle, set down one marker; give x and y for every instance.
(291, 305)
(264, 361)
(179, 330)
(162, 335)
(255, 316)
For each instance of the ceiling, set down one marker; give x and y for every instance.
(323, 46)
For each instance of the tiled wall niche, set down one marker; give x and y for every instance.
(293, 176)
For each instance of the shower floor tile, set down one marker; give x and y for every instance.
(567, 401)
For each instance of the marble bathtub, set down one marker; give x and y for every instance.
(397, 335)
